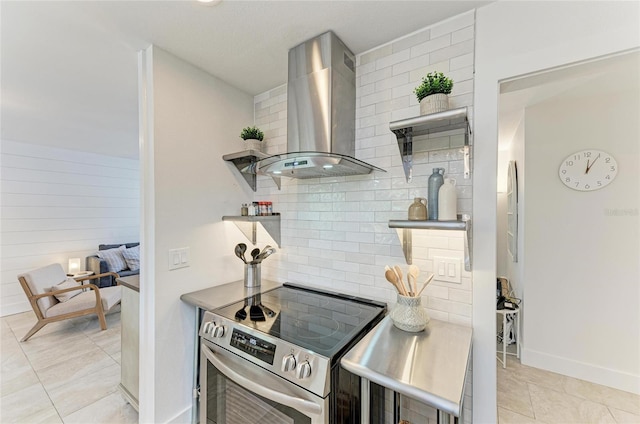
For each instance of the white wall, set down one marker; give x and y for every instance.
(582, 257)
(58, 204)
(512, 39)
(192, 119)
(335, 231)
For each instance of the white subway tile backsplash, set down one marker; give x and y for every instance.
(372, 77)
(376, 97)
(462, 35)
(417, 74)
(411, 64)
(335, 231)
(466, 60)
(454, 50)
(374, 54)
(436, 43)
(411, 40)
(392, 59)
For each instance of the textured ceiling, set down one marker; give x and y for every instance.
(69, 69)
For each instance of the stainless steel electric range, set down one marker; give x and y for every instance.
(274, 357)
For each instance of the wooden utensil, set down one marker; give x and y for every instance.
(392, 278)
(426, 283)
(413, 274)
(398, 271)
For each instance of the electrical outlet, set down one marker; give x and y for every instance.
(447, 269)
(178, 258)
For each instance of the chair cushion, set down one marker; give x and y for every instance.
(67, 284)
(114, 258)
(132, 257)
(110, 296)
(41, 280)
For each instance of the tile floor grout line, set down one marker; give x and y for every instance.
(79, 328)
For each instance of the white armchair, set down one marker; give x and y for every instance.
(45, 287)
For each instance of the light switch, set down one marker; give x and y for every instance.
(451, 270)
(178, 258)
(448, 269)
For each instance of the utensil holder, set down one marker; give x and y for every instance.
(409, 315)
(252, 275)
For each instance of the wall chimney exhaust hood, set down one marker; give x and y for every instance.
(321, 98)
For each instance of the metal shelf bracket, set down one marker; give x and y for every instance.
(245, 163)
(434, 123)
(248, 225)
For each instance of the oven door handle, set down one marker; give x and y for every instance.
(302, 405)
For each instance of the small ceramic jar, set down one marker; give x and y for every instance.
(409, 315)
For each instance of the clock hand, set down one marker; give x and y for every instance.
(587, 170)
(594, 161)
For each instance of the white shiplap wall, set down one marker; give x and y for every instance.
(58, 204)
(335, 230)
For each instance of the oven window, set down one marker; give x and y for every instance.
(229, 403)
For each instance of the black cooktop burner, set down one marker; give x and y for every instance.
(320, 321)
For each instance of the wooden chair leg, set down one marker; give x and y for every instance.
(33, 330)
(103, 321)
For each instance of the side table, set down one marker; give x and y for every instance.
(516, 330)
(80, 274)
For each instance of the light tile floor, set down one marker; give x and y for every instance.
(68, 372)
(531, 395)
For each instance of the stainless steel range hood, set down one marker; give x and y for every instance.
(321, 98)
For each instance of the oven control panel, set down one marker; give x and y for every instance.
(254, 346)
(300, 366)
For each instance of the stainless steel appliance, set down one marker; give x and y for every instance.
(321, 114)
(274, 357)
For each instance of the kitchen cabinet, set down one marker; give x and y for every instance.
(130, 339)
(443, 124)
(245, 163)
(249, 226)
(406, 227)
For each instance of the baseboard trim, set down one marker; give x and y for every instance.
(14, 308)
(581, 370)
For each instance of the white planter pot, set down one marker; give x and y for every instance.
(434, 103)
(253, 144)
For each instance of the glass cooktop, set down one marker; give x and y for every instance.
(320, 321)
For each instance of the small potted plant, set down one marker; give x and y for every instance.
(252, 137)
(432, 93)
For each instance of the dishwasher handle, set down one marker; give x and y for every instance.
(302, 405)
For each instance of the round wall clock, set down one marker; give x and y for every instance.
(588, 170)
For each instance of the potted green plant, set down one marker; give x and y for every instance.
(432, 93)
(252, 137)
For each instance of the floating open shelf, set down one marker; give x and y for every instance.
(244, 162)
(434, 123)
(405, 228)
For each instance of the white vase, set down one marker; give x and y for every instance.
(447, 201)
(434, 103)
(408, 314)
(253, 144)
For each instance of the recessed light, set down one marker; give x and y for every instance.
(277, 172)
(210, 2)
(327, 166)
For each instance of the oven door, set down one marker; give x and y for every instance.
(236, 391)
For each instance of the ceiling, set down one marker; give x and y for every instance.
(69, 68)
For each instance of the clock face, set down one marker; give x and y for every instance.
(588, 170)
